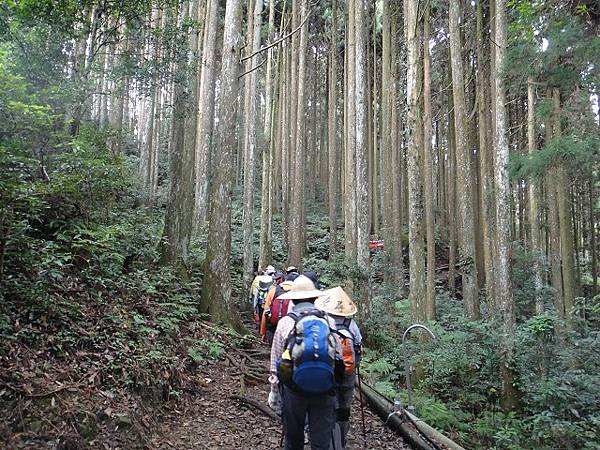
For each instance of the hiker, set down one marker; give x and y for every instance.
(254, 285)
(275, 308)
(303, 369)
(340, 307)
(314, 278)
(291, 273)
(270, 270)
(258, 302)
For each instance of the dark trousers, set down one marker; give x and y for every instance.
(344, 397)
(320, 411)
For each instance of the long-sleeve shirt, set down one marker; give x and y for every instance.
(284, 328)
(353, 328)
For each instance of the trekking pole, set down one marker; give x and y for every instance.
(362, 405)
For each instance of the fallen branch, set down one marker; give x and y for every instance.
(262, 408)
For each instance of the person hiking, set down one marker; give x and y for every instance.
(271, 317)
(291, 273)
(303, 369)
(340, 307)
(314, 278)
(258, 302)
(270, 270)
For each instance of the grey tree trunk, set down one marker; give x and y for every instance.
(463, 166)
(206, 107)
(254, 24)
(486, 168)
(504, 296)
(333, 156)
(216, 292)
(565, 222)
(534, 219)
(362, 149)
(266, 204)
(414, 145)
(428, 172)
(297, 194)
(387, 174)
(180, 204)
(350, 128)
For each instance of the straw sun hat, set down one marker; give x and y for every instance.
(301, 288)
(335, 301)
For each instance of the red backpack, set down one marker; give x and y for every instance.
(279, 308)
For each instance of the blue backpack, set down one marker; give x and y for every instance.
(312, 348)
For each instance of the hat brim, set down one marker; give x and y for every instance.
(301, 295)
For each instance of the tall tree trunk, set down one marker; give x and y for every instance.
(592, 237)
(451, 208)
(414, 145)
(362, 148)
(350, 121)
(505, 301)
(216, 292)
(566, 226)
(387, 174)
(554, 232)
(254, 24)
(463, 165)
(296, 214)
(206, 107)
(266, 204)
(486, 164)
(332, 133)
(180, 204)
(534, 220)
(285, 147)
(428, 171)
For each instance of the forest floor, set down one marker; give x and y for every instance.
(99, 397)
(213, 419)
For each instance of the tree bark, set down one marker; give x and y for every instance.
(266, 204)
(534, 220)
(463, 165)
(206, 107)
(180, 204)
(428, 171)
(486, 165)
(565, 223)
(216, 292)
(350, 121)
(333, 156)
(504, 294)
(296, 245)
(414, 145)
(254, 24)
(362, 150)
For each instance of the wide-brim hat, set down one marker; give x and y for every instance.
(301, 288)
(335, 301)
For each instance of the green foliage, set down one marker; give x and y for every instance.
(572, 150)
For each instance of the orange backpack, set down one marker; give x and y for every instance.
(347, 344)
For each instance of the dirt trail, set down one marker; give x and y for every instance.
(210, 419)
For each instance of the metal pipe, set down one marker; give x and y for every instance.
(410, 406)
(432, 433)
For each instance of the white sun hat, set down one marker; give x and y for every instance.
(302, 288)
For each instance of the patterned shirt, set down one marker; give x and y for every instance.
(284, 328)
